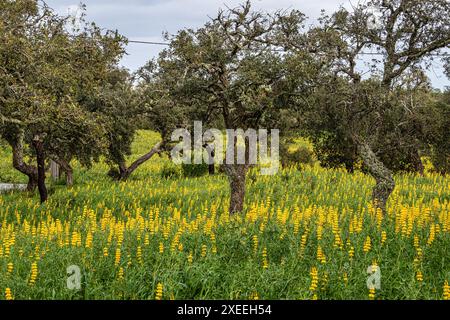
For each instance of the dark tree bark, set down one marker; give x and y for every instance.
(125, 173)
(40, 157)
(417, 162)
(67, 169)
(385, 183)
(236, 174)
(19, 164)
(211, 167)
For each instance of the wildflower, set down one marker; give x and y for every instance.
(314, 279)
(203, 250)
(8, 294)
(89, 239)
(264, 260)
(161, 247)
(159, 291)
(105, 252)
(120, 274)
(345, 277)
(139, 254)
(34, 273)
(367, 245)
(432, 235)
(321, 256)
(446, 290)
(190, 257)
(372, 294)
(10, 267)
(255, 243)
(117, 257)
(419, 276)
(351, 252)
(383, 237)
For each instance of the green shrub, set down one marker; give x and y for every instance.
(170, 171)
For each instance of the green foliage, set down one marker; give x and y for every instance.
(194, 170)
(170, 171)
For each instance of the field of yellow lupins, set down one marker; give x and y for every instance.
(306, 233)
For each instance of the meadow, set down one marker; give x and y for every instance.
(305, 233)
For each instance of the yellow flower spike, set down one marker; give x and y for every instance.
(383, 237)
(120, 274)
(117, 257)
(159, 291)
(264, 259)
(314, 279)
(8, 294)
(367, 245)
(203, 251)
(34, 273)
(372, 294)
(10, 267)
(419, 276)
(446, 291)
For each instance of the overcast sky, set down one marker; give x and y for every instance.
(146, 20)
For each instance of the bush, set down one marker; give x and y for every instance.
(170, 171)
(300, 156)
(194, 170)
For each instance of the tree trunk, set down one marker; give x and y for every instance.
(385, 183)
(40, 156)
(211, 167)
(67, 169)
(418, 164)
(236, 175)
(54, 170)
(125, 173)
(30, 171)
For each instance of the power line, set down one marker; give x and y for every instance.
(149, 42)
(361, 53)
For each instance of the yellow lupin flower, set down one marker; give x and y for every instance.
(139, 254)
(8, 294)
(419, 276)
(120, 274)
(314, 279)
(372, 294)
(351, 252)
(159, 291)
(255, 243)
(264, 259)
(117, 257)
(203, 250)
(383, 237)
(34, 273)
(321, 256)
(446, 291)
(367, 245)
(10, 267)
